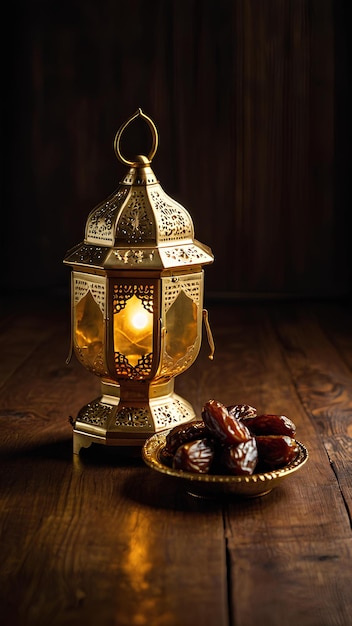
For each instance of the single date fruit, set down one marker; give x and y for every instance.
(240, 411)
(225, 427)
(165, 457)
(275, 451)
(194, 456)
(270, 425)
(241, 459)
(182, 433)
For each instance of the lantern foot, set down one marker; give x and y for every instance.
(80, 440)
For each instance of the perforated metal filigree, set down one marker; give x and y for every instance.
(95, 413)
(136, 223)
(184, 255)
(123, 292)
(81, 286)
(90, 255)
(173, 220)
(171, 413)
(101, 222)
(190, 286)
(134, 257)
(133, 418)
(137, 372)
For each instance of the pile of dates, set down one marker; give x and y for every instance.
(231, 440)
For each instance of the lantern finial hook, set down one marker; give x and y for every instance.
(154, 132)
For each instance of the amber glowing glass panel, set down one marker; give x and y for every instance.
(181, 325)
(133, 331)
(88, 331)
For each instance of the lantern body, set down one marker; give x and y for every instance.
(137, 307)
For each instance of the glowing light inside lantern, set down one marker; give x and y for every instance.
(139, 320)
(133, 331)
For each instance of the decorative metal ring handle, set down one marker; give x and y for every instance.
(153, 129)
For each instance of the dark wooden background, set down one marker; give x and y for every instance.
(250, 100)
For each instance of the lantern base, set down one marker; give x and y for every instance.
(120, 417)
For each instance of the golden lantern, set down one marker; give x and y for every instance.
(137, 306)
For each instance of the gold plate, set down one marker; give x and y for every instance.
(212, 485)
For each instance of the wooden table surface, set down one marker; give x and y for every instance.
(102, 539)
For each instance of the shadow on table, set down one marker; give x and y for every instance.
(161, 492)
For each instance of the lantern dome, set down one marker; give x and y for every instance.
(139, 225)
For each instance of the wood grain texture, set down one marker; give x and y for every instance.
(322, 379)
(93, 539)
(243, 94)
(283, 354)
(100, 538)
(97, 543)
(291, 588)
